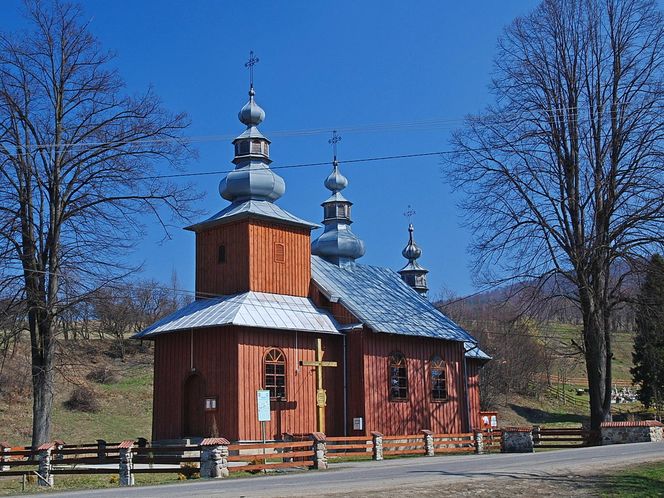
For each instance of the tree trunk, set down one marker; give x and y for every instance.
(43, 349)
(598, 361)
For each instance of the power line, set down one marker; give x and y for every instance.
(371, 127)
(302, 165)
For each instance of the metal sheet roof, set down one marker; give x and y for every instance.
(382, 301)
(259, 209)
(251, 309)
(473, 351)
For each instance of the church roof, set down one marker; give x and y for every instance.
(250, 309)
(254, 209)
(381, 300)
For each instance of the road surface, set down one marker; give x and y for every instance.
(560, 472)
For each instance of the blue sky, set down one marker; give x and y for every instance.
(323, 65)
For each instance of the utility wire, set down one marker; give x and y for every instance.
(371, 127)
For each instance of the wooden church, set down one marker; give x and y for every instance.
(342, 347)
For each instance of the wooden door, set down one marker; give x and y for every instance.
(194, 407)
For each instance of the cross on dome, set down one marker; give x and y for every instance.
(250, 64)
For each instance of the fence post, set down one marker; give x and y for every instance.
(59, 445)
(536, 434)
(124, 469)
(214, 458)
(479, 442)
(101, 450)
(287, 437)
(428, 443)
(377, 439)
(44, 468)
(320, 450)
(5, 447)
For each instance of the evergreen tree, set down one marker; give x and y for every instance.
(648, 355)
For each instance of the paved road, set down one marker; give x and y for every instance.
(398, 477)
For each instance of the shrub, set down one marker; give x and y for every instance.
(189, 470)
(103, 376)
(82, 399)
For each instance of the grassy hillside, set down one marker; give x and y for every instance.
(125, 406)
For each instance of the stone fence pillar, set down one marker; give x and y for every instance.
(214, 458)
(428, 443)
(377, 440)
(44, 466)
(101, 450)
(536, 434)
(126, 465)
(59, 444)
(517, 440)
(478, 437)
(4, 448)
(320, 450)
(286, 437)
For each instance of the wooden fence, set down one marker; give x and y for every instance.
(300, 451)
(551, 438)
(349, 447)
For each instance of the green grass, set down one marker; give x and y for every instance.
(644, 481)
(125, 406)
(13, 486)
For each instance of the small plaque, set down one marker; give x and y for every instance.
(211, 404)
(358, 424)
(263, 398)
(321, 398)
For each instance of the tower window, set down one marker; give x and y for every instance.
(221, 254)
(438, 379)
(242, 148)
(398, 377)
(274, 372)
(256, 147)
(279, 252)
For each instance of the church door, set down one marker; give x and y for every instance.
(194, 409)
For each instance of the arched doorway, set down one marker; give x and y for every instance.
(193, 411)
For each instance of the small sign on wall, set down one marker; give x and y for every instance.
(211, 404)
(263, 397)
(358, 424)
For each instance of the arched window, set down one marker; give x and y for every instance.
(438, 379)
(398, 377)
(274, 373)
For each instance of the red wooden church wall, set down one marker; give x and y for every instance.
(214, 358)
(252, 262)
(418, 412)
(297, 415)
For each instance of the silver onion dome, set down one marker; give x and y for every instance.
(413, 273)
(251, 114)
(336, 182)
(412, 251)
(252, 177)
(337, 244)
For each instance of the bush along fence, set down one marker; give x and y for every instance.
(218, 458)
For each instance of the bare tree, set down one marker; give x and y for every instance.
(77, 160)
(564, 174)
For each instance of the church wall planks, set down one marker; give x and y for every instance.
(418, 411)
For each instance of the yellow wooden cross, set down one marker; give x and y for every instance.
(321, 395)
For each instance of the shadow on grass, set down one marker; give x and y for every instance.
(632, 486)
(644, 480)
(537, 416)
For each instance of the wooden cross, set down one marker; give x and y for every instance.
(321, 395)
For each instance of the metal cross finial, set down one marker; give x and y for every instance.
(334, 141)
(250, 64)
(409, 213)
